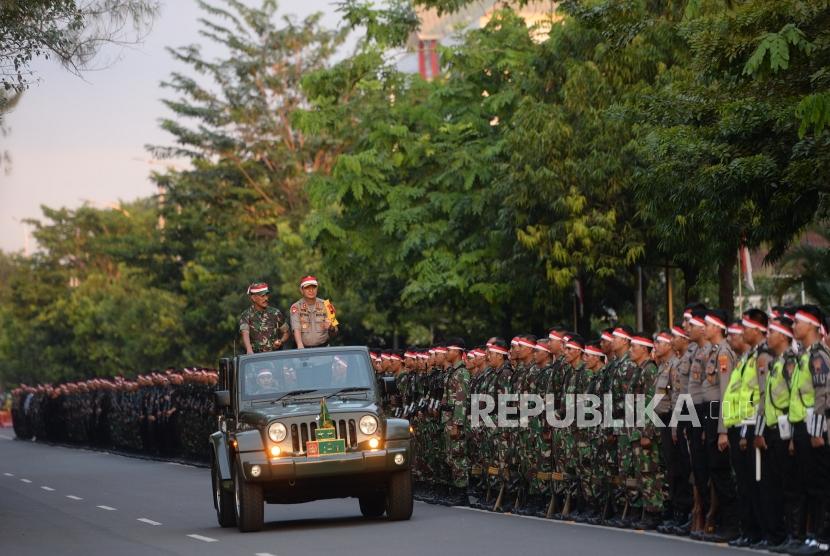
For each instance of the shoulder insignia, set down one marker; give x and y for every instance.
(723, 362)
(294, 308)
(819, 365)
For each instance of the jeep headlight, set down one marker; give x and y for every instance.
(368, 424)
(277, 432)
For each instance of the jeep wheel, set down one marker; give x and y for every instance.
(248, 502)
(399, 496)
(222, 499)
(372, 505)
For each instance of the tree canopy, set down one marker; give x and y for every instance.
(529, 185)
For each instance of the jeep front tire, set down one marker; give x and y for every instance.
(248, 502)
(373, 505)
(222, 499)
(399, 496)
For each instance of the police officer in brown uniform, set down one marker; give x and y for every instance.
(310, 320)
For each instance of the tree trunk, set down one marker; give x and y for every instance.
(584, 320)
(726, 283)
(690, 276)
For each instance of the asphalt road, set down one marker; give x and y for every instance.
(56, 500)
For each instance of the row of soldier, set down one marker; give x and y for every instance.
(166, 414)
(747, 463)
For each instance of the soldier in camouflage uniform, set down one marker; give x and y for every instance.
(564, 445)
(645, 439)
(589, 441)
(479, 453)
(500, 384)
(538, 450)
(455, 422)
(524, 382)
(263, 328)
(624, 474)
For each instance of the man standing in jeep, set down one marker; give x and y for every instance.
(312, 319)
(263, 327)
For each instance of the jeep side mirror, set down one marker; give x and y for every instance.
(390, 387)
(223, 398)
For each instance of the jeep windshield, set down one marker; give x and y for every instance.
(296, 375)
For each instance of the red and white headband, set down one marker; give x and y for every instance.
(554, 335)
(574, 345)
(640, 341)
(525, 343)
(736, 329)
(712, 319)
(696, 321)
(749, 323)
(308, 281)
(677, 331)
(804, 316)
(499, 350)
(541, 347)
(607, 336)
(664, 337)
(620, 333)
(591, 350)
(781, 329)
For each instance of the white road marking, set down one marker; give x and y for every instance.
(148, 521)
(201, 538)
(9, 474)
(25, 481)
(108, 508)
(48, 489)
(264, 554)
(73, 497)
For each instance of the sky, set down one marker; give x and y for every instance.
(75, 140)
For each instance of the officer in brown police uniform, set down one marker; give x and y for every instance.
(311, 321)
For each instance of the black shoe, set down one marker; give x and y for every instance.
(763, 544)
(786, 545)
(811, 546)
(741, 542)
(722, 535)
(648, 523)
(667, 526)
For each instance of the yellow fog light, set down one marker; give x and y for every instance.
(373, 443)
(398, 459)
(275, 451)
(255, 471)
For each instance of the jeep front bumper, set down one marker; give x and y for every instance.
(395, 456)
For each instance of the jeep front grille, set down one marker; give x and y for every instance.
(302, 433)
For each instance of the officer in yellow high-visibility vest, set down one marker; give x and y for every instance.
(782, 517)
(809, 405)
(740, 400)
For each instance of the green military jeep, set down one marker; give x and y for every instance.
(302, 425)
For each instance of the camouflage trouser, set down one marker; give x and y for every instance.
(585, 450)
(605, 465)
(651, 477)
(559, 449)
(627, 455)
(539, 463)
(455, 441)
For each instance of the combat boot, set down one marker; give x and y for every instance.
(649, 522)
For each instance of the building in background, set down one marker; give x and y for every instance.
(422, 48)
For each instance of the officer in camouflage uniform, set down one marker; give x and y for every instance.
(645, 439)
(524, 382)
(564, 437)
(502, 383)
(455, 421)
(624, 472)
(590, 440)
(263, 327)
(538, 449)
